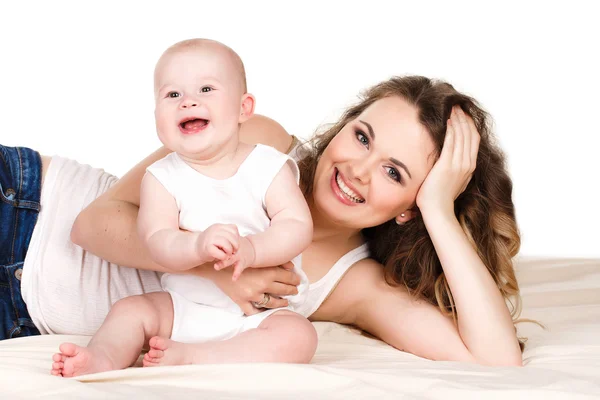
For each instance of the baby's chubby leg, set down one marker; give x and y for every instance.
(131, 322)
(284, 337)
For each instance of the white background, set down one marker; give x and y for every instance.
(76, 80)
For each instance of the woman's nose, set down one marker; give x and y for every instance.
(360, 170)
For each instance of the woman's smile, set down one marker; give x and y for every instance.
(343, 191)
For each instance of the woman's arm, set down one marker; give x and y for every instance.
(107, 227)
(484, 332)
(484, 321)
(410, 325)
(264, 130)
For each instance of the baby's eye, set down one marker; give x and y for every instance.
(206, 89)
(173, 95)
(393, 173)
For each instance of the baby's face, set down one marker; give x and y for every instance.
(198, 102)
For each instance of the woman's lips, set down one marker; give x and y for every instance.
(338, 191)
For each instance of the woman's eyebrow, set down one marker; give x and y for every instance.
(370, 128)
(401, 165)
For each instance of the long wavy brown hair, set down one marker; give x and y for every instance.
(485, 209)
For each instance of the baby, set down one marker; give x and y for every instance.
(213, 200)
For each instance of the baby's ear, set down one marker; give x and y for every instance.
(247, 108)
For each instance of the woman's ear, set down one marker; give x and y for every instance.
(247, 108)
(407, 216)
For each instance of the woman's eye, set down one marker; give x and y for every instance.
(362, 138)
(173, 95)
(206, 89)
(393, 173)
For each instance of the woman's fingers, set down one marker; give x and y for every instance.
(286, 277)
(274, 302)
(468, 133)
(459, 138)
(280, 289)
(448, 147)
(249, 309)
(474, 147)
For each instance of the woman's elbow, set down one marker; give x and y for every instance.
(462, 354)
(80, 229)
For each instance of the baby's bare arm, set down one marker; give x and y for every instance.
(107, 227)
(158, 227)
(291, 226)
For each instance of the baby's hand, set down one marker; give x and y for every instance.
(217, 242)
(243, 258)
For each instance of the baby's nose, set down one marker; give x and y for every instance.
(189, 104)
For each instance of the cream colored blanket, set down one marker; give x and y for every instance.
(560, 363)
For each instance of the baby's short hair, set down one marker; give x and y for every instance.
(191, 44)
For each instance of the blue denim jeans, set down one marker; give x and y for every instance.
(20, 190)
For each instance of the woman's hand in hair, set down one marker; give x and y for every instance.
(453, 170)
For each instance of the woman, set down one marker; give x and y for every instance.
(412, 173)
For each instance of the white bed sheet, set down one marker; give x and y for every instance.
(560, 363)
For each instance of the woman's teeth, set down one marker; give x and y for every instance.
(349, 193)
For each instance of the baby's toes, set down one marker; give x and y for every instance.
(155, 353)
(149, 362)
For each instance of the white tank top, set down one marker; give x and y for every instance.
(239, 200)
(70, 291)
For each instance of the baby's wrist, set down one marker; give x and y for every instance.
(202, 255)
(250, 251)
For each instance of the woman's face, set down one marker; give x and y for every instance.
(372, 170)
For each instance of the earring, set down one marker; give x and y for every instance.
(398, 222)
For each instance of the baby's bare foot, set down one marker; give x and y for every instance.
(75, 360)
(165, 351)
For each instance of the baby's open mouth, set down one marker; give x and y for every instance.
(193, 125)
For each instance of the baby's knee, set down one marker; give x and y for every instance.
(133, 305)
(298, 340)
(307, 339)
(137, 310)
(307, 335)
